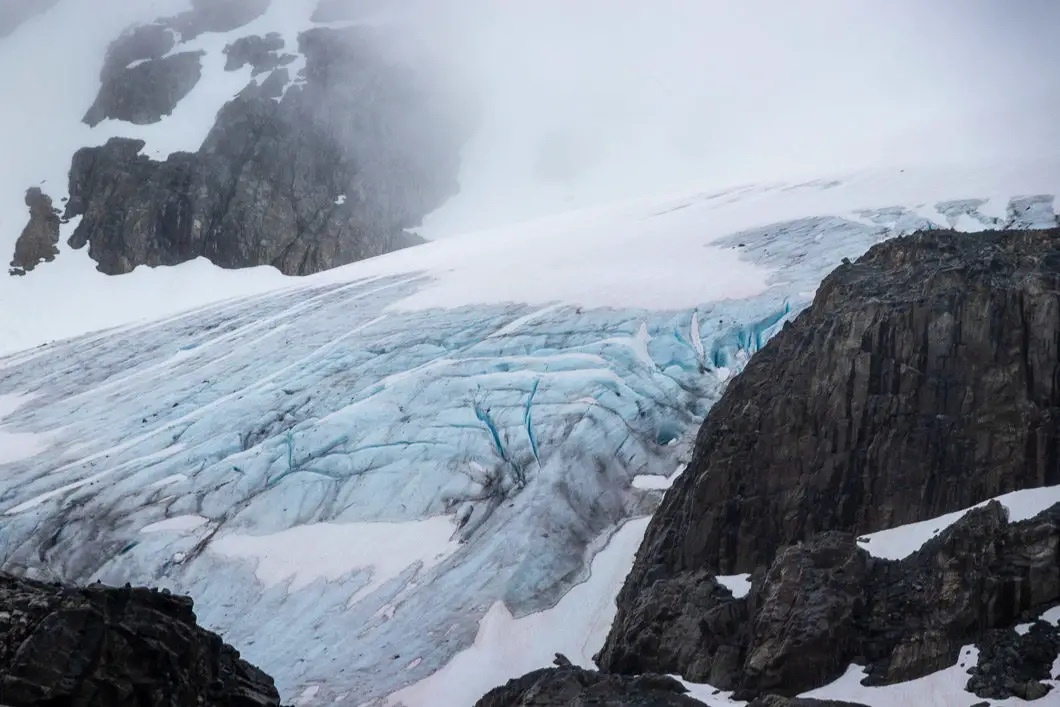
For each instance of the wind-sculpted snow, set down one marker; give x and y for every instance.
(345, 487)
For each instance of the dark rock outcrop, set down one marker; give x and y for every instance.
(262, 53)
(139, 43)
(1013, 664)
(567, 686)
(39, 239)
(922, 380)
(139, 83)
(107, 647)
(334, 171)
(145, 92)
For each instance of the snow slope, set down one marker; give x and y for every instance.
(397, 462)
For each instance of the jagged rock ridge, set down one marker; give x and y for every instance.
(303, 177)
(921, 381)
(106, 647)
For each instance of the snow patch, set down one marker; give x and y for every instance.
(306, 698)
(651, 481)
(306, 553)
(507, 647)
(940, 689)
(708, 694)
(902, 541)
(17, 446)
(738, 584)
(944, 688)
(11, 402)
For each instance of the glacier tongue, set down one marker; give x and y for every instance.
(347, 488)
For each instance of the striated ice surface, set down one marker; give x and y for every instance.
(347, 488)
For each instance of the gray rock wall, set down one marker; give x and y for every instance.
(302, 177)
(922, 380)
(302, 172)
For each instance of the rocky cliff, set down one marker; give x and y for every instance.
(306, 169)
(106, 647)
(922, 380)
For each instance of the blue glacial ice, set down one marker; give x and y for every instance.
(510, 433)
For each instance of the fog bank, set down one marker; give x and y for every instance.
(584, 101)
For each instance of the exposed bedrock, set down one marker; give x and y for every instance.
(107, 647)
(303, 176)
(922, 380)
(570, 685)
(39, 240)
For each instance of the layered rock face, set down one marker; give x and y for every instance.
(106, 647)
(921, 381)
(304, 170)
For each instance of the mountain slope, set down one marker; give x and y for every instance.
(369, 463)
(243, 133)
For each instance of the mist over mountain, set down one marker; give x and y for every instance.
(457, 350)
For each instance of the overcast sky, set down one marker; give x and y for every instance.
(615, 97)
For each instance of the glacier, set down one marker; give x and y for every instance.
(354, 475)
